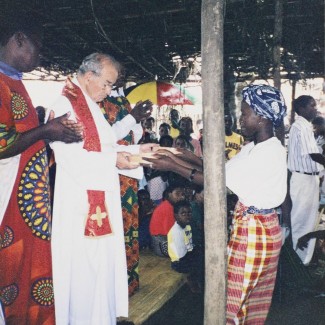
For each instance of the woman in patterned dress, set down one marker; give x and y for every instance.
(258, 176)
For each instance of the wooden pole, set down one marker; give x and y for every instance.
(278, 27)
(214, 161)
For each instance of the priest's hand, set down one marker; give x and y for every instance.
(148, 147)
(123, 161)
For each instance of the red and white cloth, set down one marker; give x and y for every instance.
(253, 253)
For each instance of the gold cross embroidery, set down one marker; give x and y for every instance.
(98, 216)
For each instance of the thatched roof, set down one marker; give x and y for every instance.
(162, 38)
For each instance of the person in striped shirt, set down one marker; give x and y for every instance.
(305, 163)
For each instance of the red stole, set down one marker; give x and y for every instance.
(97, 223)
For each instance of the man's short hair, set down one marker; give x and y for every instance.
(150, 118)
(174, 110)
(94, 63)
(174, 186)
(164, 125)
(301, 102)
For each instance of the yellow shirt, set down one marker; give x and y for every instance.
(179, 241)
(233, 145)
(174, 133)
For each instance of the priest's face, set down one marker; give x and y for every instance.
(98, 87)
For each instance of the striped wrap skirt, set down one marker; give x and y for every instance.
(253, 254)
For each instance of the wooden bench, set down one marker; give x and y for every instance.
(158, 283)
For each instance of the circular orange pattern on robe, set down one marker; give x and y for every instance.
(42, 292)
(19, 106)
(34, 195)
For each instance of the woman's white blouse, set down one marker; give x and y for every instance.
(258, 174)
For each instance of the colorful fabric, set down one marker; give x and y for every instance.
(266, 101)
(115, 109)
(233, 144)
(162, 219)
(26, 286)
(97, 223)
(253, 253)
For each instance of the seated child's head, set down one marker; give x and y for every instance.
(143, 197)
(164, 129)
(146, 205)
(181, 142)
(175, 192)
(166, 141)
(183, 213)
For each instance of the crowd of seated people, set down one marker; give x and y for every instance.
(161, 190)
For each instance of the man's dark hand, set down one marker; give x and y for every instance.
(160, 162)
(303, 242)
(63, 129)
(142, 110)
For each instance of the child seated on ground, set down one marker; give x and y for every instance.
(163, 219)
(185, 258)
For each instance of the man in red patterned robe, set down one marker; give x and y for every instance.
(26, 289)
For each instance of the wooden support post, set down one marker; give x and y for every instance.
(214, 162)
(278, 22)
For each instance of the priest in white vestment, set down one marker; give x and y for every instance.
(89, 264)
